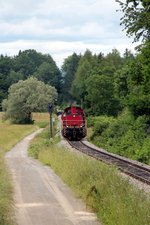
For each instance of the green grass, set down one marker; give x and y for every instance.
(6, 202)
(113, 198)
(10, 134)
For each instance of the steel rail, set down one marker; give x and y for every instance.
(132, 168)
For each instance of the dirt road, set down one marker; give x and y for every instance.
(40, 197)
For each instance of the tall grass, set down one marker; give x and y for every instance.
(6, 212)
(113, 198)
(9, 135)
(41, 119)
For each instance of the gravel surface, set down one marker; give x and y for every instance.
(138, 184)
(135, 182)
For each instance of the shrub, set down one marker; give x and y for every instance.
(124, 135)
(143, 155)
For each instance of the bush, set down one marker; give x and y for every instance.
(100, 124)
(124, 135)
(143, 155)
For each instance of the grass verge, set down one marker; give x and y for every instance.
(9, 135)
(112, 197)
(6, 212)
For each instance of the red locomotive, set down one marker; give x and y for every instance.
(74, 123)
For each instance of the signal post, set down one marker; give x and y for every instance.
(50, 110)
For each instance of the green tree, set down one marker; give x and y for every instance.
(127, 57)
(14, 77)
(113, 60)
(49, 74)
(26, 97)
(136, 19)
(6, 64)
(24, 65)
(100, 95)
(86, 64)
(27, 62)
(69, 69)
(132, 83)
(5, 67)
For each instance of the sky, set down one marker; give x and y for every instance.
(61, 27)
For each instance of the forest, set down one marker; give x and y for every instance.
(113, 89)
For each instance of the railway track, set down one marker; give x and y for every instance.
(132, 168)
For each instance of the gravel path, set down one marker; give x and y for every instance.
(40, 197)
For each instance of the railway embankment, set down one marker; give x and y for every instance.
(113, 197)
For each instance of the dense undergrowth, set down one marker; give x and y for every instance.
(125, 135)
(112, 197)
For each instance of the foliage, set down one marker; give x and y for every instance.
(27, 63)
(125, 135)
(86, 63)
(26, 97)
(69, 69)
(99, 95)
(99, 124)
(5, 68)
(113, 60)
(132, 83)
(48, 73)
(93, 83)
(136, 19)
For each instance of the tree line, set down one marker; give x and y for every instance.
(24, 65)
(101, 84)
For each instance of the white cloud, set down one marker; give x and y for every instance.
(61, 27)
(59, 50)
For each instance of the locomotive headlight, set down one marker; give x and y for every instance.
(82, 125)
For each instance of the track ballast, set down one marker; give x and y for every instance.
(132, 168)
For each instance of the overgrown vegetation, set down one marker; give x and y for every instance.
(126, 135)
(112, 197)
